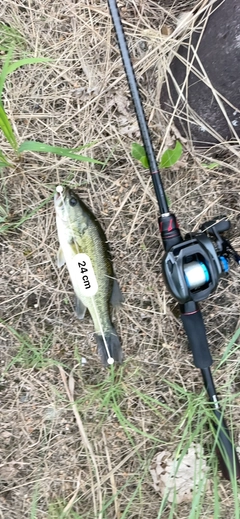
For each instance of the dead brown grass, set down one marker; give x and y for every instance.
(80, 97)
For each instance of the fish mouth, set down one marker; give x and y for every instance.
(59, 197)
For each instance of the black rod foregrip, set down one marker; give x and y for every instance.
(196, 333)
(227, 455)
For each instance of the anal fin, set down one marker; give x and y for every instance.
(80, 308)
(116, 297)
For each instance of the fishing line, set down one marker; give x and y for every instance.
(110, 360)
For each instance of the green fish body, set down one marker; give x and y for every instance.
(80, 232)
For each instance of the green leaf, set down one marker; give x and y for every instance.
(6, 128)
(58, 150)
(170, 157)
(26, 61)
(138, 153)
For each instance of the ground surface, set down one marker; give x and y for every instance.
(155, 400)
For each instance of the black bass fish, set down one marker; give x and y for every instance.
(84, 249)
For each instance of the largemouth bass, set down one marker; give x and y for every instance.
(79, 232)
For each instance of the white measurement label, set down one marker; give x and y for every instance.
(215, 401)
(86, 275)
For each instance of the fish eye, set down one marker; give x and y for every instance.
(73, 201)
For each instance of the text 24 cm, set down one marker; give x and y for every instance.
(85, 278)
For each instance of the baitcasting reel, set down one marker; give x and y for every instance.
(193, 267)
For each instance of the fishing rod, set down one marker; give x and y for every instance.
(191, 265)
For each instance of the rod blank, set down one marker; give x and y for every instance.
(157, 182)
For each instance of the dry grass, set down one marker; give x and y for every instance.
(82, 96)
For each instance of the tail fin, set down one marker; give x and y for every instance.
(111, 340)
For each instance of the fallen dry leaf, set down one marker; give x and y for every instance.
(166, 30)
(179, 478)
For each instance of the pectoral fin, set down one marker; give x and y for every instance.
(116, 297)
(60, 258)
(80, 308)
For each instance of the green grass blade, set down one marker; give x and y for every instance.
(9, 37)
(34, 505)
(9, 68)
(26, 61)
(211, 165)
(6, 128)
(5, 227)
(3, 214)
(58, 150)
(229, 349)
(4, 72)
(4, 161)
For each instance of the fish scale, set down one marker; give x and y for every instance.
(91, 244)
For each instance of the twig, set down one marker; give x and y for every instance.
(112, 479)
(70, 393)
